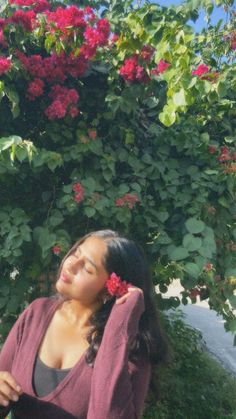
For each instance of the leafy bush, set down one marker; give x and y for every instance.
(194, 385)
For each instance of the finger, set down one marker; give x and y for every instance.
(7, 392)
(135, 289)
(122, 299)
(8, 378)
(3, 401)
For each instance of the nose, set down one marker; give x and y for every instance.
(72, 264)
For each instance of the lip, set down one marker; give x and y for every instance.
(64, 278)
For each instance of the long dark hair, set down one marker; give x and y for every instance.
(127, 260)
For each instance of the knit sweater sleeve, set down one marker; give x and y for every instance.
(9, 349)
(113, 394)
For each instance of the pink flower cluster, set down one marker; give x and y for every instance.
(226, 155)
(147, 53)
(5, 65)
(204, 69)
(115, 286)
(161, 67)
(128, 200)
(194, 292)
(56, 250)
(64, 101)
(56, 68)
(65, 18)
(208, 267)
(227, 158)
(131, 71)
(79, 192)
(27, 19)
(35, 89)
(92, 133)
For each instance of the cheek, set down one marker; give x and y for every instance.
(87, 283)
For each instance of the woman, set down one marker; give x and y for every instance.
(89, 352)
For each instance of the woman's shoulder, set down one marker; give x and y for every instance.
(39, 307)
(42, 302)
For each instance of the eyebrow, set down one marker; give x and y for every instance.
(90, 260)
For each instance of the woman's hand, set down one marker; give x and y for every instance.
(9, 389)
(124, 297)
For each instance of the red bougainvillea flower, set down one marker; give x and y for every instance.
(92, 133)
(114, 38)
(201, 69)
(56, 110)
(224, 154)
(73, 112)
(211, 210)
(194, 292)
(5, 65)
(63, 100)
(131, 71)
(115, 286)
(147, 53)
(90, 13)
(208, 267)
(63, 18)
(3, 22)
(79, 192)
(128, 200)
(27, 19)
(212, 149)
(161, 67)
(56, 250)
(35, 89)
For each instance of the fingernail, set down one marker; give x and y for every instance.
(15, 398)
(5, 403)
(18, 388)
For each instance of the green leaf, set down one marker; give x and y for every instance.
(231, 325)
(194, 226)
(14, 99)
(162, 216)
(89, 184)
(178, 253)
(232, 300)
(56, 218)
(192, 269)
(167, 117)
(224, 202)
(21, 153)
(179, 98)
(89, 211)
(7, 142)
(192, 243)
(3, 302)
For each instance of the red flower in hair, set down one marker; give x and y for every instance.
(115, 286)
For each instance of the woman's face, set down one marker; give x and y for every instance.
(83, 274)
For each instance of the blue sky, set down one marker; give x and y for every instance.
(217, 14)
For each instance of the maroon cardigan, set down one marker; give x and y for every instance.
(114, 388)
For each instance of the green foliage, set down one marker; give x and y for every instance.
(147, 155)
(193, 385)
